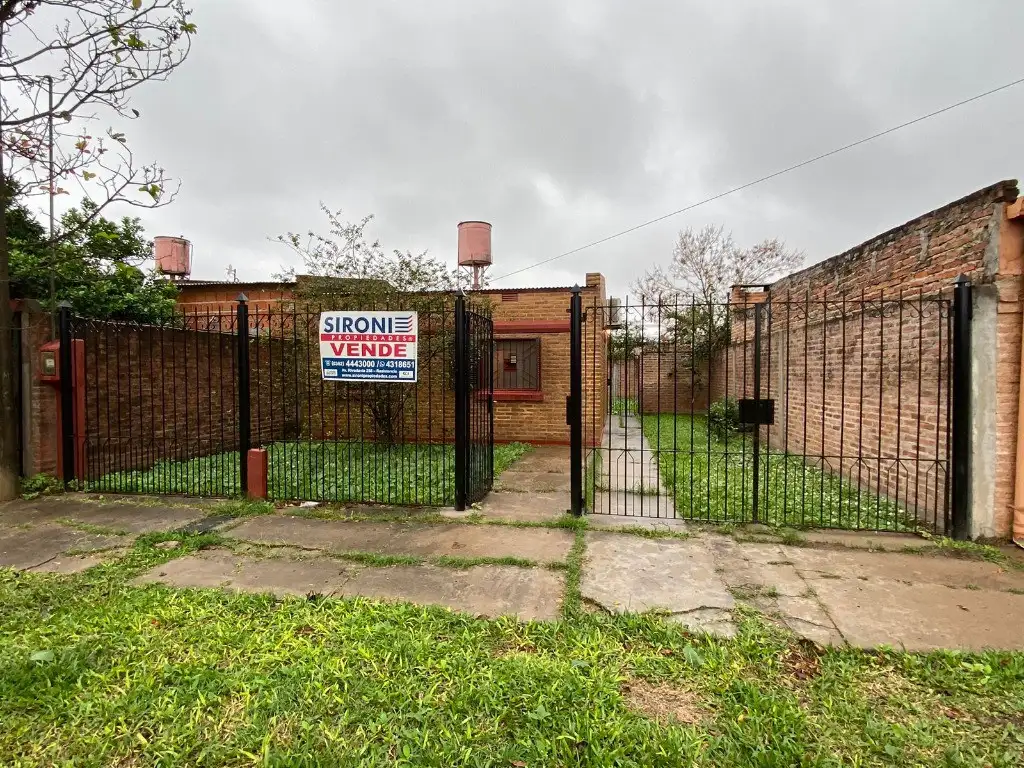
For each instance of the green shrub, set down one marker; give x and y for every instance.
(724, 416)
(40, 485)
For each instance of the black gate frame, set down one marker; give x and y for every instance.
(239, 379)
(474, 405)
(758, 411)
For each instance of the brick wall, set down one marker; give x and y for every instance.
(821, 344)
(39, 399)
(165, 393)
(670, 381)
(543, 314)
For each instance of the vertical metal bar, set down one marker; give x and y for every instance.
(920, 381)
(757, 427)
(841, 520)
(824, 406)
(461, 404)
(803, 442)
(785, 434)
(881, 400)
(961, 427)
(693, 387)
(575, 412)
(67, 418)
(707, 420)
(860, 409)
(766, 496)
(899, 404)
(948, 453)
(244, 406)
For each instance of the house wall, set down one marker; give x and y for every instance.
(428, 413)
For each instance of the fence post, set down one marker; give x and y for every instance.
(756, 485)
(244, 405)
(574, 404)
(67, 406)
(461, 404)
(961, 417)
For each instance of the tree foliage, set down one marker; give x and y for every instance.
(96, 267)
(95, 53)
(346, 270)
(689, 298)
(91, 55)
(705, 264)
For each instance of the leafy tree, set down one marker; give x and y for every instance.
(96, 268)
(345, 270)
(689, 297)
(92, 54)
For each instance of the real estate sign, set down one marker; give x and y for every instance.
(369, 346)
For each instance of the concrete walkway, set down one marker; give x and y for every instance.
(627, 475)
(828, 594)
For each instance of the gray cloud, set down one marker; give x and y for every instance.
(562, 122)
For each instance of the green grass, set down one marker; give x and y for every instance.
(624, 406)
(98, 672)
(422, 474)
(713, 481)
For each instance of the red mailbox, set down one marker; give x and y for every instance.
(49, 372)
(49, 362)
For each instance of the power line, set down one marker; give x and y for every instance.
(749, 184)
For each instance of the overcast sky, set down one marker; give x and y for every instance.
(564, 121)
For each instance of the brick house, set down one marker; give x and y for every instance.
(531, 354)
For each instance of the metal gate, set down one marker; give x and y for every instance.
(474, 404)
(175, 407)
(798, 411)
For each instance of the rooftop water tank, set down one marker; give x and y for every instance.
(474, 244)
(173, 256)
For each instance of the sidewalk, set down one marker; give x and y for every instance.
(828, 594)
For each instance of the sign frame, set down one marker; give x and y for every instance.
(369, 346)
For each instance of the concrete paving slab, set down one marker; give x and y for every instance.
(552, 459)
(888, 542)
(68, 564)
(516, 481)
(540, 544)
(529, 593)
(816, 564)
(604, 522)
(35, 546)
(485, 590)
(634, 505)
(922, 617)
(525, 507)
(279, 576)
(626, 573)
(122, 517)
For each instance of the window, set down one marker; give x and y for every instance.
(517, 364)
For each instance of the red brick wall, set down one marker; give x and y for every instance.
(534, 313)
(543, 420)
(162, 393)
(670, 381)
(898, 349)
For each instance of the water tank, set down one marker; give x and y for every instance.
(173, 256)
(474, 244)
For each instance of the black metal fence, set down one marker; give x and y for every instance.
(787, 410)
(175, 408)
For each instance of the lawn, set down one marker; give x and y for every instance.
(98, 672)
(713, 480)
(421, 474)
